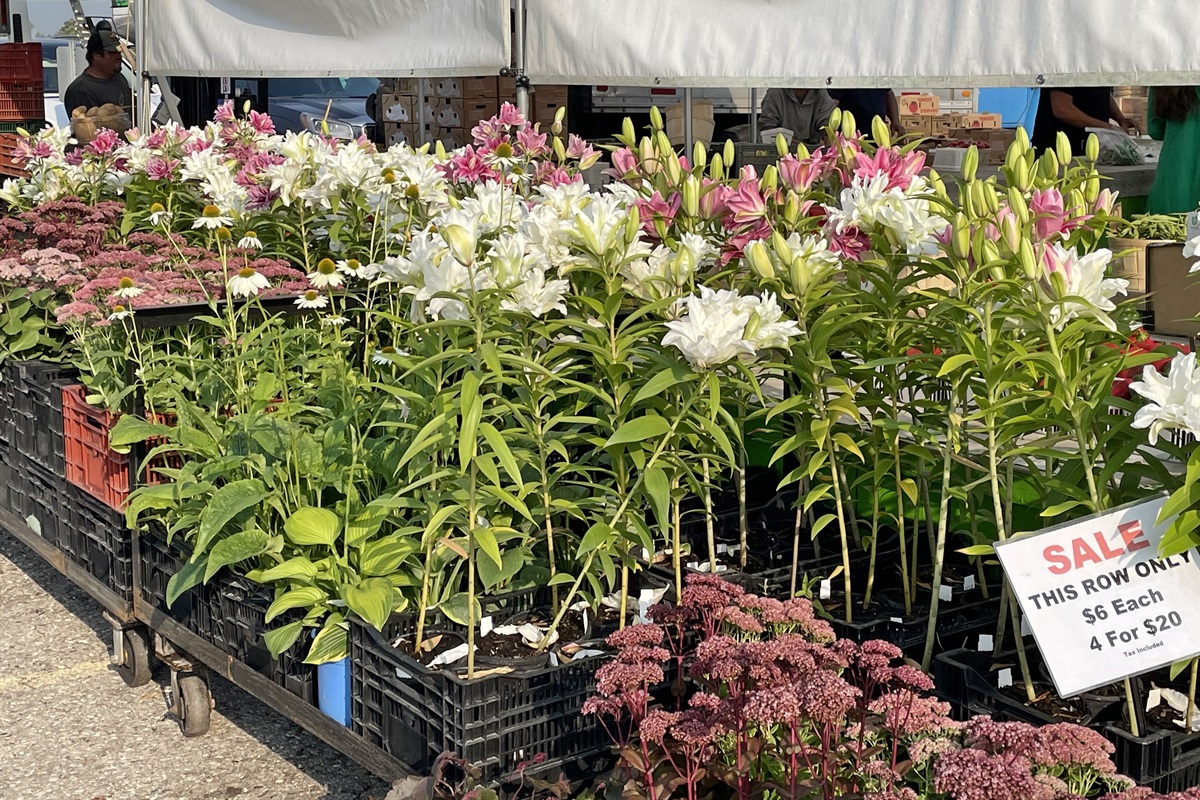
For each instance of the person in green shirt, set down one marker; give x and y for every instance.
(1175, 121)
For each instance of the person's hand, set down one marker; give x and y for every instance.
(897, 130)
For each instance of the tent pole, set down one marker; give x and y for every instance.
(519, 57)
(141, 8)
(754, 116)
(687, 121)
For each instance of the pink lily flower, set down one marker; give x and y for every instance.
(887, 161)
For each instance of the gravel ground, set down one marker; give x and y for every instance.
(70, 729)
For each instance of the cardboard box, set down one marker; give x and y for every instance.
(506, 87)
(399, 108)
(449, 137)
(942, 124)
(445, 112)
(1174, 293)
(551, 93)
(446, 87)
(982, 120)
(920, 104)
(480, 87)
(543, 114)
(477, 111)
(1129, 260)
(403, 133)
(918, 124)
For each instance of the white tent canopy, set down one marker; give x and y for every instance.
(316, 38)
(864, 43)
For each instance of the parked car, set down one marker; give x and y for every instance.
(298, 104)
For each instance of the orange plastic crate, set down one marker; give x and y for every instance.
(90, 463)
(21, 64)
(21, 102)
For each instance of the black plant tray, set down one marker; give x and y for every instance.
(98, 540)
(197, 609)
(497, 722)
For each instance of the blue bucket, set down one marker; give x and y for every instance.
(333, 690)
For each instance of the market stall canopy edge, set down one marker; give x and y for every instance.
(863, 43)
(307, 38)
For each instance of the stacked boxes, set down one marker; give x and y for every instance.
(945, 124)
(1134, 103)
(452, 107)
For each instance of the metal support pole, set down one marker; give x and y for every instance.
(421, 137)
(754, 116)
(519, 58)
(140, 9)
(687, 121)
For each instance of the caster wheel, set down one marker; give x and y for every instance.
(194, 705)
(137, 664)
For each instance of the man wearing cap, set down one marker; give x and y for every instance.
(102, 82)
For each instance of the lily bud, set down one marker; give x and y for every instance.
(660, 228)
(1092, 148)
(1022, 139)
(791, 208)
(589, 160)
(802, 151)
(938, 185)
(798, 272)
(1013, 155)
(835, 119)
(674, 168)
(560, 151)
(880, 132)
(439, 151)
(770, 179)
(1048, 167)
(1029, 262)
(1018, 206)
(691, 196)
(633, 224)
(656, 119)
(849, 127)
(1091, 189)
(461, 243)
(966, 197)
(628, 136)
(1077, 199)
(699, 156)
(960, 238)
(970, 163)
(760, 262)
(781, 145)
(990, 254)
(646, 155)
(716, 168)
(729, 152)
(661, 143)
(1010, 233)
(1022, 179)
(779, 243)
(1062, 148)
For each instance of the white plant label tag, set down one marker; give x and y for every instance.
(986, 643)
(722, 549)
(945, 593)
(485, 626)
(826, 589)
(1004, 678)
(968, 583)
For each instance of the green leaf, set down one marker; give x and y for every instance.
(298, 567)
(384, 556)
(372, 599)
(190, 575)
(658, 487)
(561, 579)
(846, 443)
(226, 503)
(1062, 508)
(955, 362)
(303, 597)
(640, 429)
(978, 550)
(131, 430)
(1179, 666)
(822, 523)
(596, 536)
(501, 451)
(366, 523)
(467, 440)
(235, 549)
(331, 642)
(312, 526)
(455, 608)
(909, 487)
(280, 640)
(662, 381)
(485, 540)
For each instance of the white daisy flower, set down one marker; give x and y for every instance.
(211, 218)
(159, 215)
(334, 322)
(387, 355)
(312, 299)
(248, 282)
(119, 312)
(250, 241)
(127, 288)
(326, 275)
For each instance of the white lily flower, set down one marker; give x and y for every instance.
(1174, 400)
(1070, 275)
(537, 296)
(710, 332)
(767, 329)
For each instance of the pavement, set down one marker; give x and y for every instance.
(70, 729)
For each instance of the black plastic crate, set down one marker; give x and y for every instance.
(495, 722)
(1143, 758)
(9, 375)
(197, 609)
(963, 679)
(909, 632)
(243, 608)
(42, 504)
(36, 411)
(99, 541)
(1182, 776)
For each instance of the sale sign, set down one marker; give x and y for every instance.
(1102, 605)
